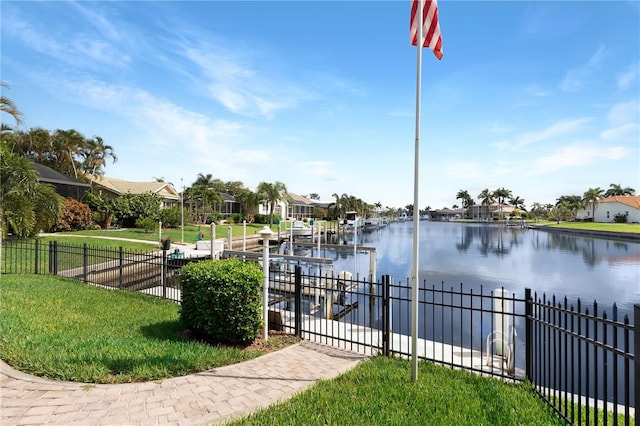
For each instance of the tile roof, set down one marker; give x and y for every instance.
(120, 186)
(629, 200)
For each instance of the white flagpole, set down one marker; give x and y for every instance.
(416, 209)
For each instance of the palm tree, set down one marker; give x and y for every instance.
(501, 194)
(591, 197)
(572, 203)
(617, 189)
(95, 153)
(26, 206)
(7, 105)
(486, 198)
(203, 180)
(465, 197)
(249, 202)
(271, 193)
(518, 203)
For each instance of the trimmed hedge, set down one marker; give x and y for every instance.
(222, 299)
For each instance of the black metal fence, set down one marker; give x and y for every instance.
(154, 273)
(582, 360)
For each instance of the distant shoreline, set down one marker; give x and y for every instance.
(611, 235)
(621, 236)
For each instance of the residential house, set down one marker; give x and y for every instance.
(606, 209)
(447, 214)
(293, 207)
(480, 211)
(66, 186)
(229, 206)
(112, 187)
(300, 207)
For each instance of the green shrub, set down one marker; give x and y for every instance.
(261, 218)
(172, 217)
(76, 216)
(214, 217)
(620, 218)
(222, 299)
(147, 223)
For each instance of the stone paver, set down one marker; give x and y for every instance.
(210, 397)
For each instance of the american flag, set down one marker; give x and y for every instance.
(430, 26)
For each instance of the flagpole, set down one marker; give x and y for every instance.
(416, 209)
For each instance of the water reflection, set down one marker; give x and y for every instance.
(496, 256)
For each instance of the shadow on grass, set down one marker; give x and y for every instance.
(172, 331)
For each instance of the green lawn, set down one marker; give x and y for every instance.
(190, 232)
(62, 329)
(632, 228)
(379, 392)
(66, 330)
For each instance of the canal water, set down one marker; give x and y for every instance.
(495, 256)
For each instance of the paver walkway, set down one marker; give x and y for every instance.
(210, 397)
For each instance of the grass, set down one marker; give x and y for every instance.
(190, 232)
(379, 391)
(631, 228)
(62, 329)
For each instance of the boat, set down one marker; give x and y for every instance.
(352, 220)
(299, 229)
(402, 217)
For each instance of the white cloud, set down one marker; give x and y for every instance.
(627, 77)
(575, 156)
(560, 128)
(238, 86)
(624, 119)
(574, 79)
(320, 169)
(83, 49)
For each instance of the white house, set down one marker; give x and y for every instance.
(295, 206)
(607, 209)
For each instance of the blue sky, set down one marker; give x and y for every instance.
(541, 98)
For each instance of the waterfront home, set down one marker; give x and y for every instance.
(608, 208)
(112, 188)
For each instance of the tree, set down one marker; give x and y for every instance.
(501, 194)
(103, 209)
(314, 196)
(249, 202)
(127, 208)
(271, 193)
(202, 180)
(518, 203)
(571, 203)
(95, 153)
(26, 206)
(617, 189)
(336, 206)
(7, 106)
(486, 198)
(467, 200)
(591, 197)
(202, 195)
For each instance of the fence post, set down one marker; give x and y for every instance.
(636, 357)
(298, 301)
(386, 279)
(121, 267)
(528, 338)
(164, 274)
(55, 258)
(37, 248)
(85, 263)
